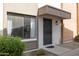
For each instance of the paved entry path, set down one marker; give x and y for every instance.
(68, 49)
(72, 53)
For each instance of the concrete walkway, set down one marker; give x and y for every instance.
(71, 45)
(57, 50)
(68, 49)
(71, 53)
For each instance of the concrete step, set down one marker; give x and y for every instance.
(57, 50)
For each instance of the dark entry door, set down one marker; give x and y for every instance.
(47, 31)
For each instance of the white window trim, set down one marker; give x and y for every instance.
(31, 50)
(27, 40)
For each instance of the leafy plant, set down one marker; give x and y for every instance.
(4, 54)
(11, 45)
(76, 38)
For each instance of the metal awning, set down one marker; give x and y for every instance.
(49, 10)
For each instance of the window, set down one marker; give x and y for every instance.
(22, 26)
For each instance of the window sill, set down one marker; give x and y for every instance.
(27, 40)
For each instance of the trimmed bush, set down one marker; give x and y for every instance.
(76, 38)
(4, 54)
(13, 46)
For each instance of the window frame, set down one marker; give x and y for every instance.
(26, 39)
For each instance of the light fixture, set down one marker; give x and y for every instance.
(56, 22)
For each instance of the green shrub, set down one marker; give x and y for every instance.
(4, 54)
(76, 38)
(11, 45)
(40, 52)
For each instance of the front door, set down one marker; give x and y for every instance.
(47, 31)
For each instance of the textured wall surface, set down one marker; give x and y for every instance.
(70, 25)
(31, 45)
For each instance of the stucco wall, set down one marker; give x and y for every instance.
(40, 32)
(70, 25)
(56, 31)
(78, 18)
(1, 18)
(24, 8)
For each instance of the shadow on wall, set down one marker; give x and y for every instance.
(1, 32)
(4, 31)
(67, 34)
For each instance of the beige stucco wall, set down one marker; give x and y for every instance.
(70, 25)
(1, 18)
(22, 8)
(78, 18)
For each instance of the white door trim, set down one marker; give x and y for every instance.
(40, 34)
